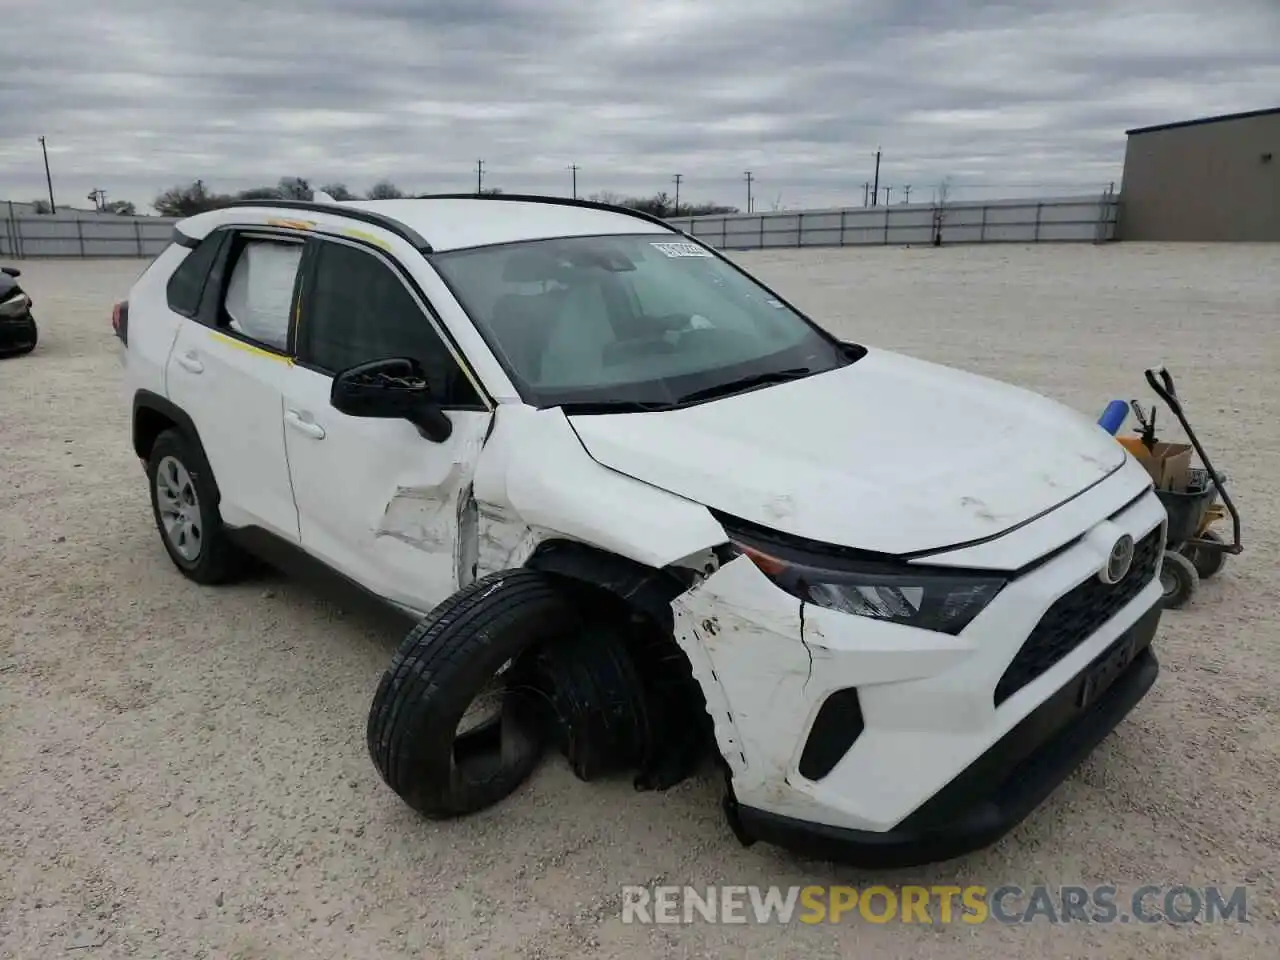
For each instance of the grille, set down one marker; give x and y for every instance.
(1076, 615)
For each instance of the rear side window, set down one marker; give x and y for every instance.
(259, 293)
(187, 282)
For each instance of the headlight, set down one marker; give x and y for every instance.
(928, 598)
(15, 306)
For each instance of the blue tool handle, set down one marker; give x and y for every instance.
(1113, 417)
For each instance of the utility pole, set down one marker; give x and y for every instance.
(99, 198)
(749, 179)
(876, 191)
(865, 188)
(887, 191)
(479, 177)
(678, 178)
(47, 177)
(907, 190)
(574, 168)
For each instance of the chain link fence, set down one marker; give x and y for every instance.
(1053, 219)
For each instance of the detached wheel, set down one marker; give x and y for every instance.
(186, 512)
(457, 722)
(1178, 579)
(1207, 561)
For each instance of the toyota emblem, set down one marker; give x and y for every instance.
(1118, 562)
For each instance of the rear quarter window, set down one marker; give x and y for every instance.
(186, 284)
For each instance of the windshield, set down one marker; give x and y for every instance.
(648, 320)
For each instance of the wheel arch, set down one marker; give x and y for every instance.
(152, 415)
(693, 696)
(649, 590)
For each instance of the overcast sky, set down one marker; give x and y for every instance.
(137, 95)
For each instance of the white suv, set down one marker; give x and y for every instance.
(643, 506)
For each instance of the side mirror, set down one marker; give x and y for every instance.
(11, 271)
(393, 389)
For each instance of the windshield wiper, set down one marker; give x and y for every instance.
(612, 406)
(745, 383)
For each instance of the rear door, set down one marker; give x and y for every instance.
(228, 368)
(376, 500)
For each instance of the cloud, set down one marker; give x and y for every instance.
(1006, 98)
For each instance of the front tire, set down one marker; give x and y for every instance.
(415, 732)
(184, 505)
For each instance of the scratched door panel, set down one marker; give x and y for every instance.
(376, 500)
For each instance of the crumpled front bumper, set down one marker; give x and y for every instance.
(940, 764)
(999, 789)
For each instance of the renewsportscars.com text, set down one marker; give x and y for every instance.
(1008, 904)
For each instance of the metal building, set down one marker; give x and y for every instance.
(1217, 178)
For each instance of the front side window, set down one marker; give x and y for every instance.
(646, 319)
(358, 309)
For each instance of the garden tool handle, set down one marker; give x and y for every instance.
(1164, 387)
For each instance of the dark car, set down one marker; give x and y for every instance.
(17, 325)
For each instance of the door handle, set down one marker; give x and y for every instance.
(189, 361)
(306, 427)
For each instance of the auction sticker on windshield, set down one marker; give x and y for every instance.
(681, 249)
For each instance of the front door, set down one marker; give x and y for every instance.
(376, 500)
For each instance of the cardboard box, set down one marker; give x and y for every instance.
(1168, 463)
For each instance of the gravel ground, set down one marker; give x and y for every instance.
(183, 770)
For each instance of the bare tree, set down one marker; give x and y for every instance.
(941, 198)
(187, 200)
(384, 190)
(659, 204)
(338, 191)
(295, 188)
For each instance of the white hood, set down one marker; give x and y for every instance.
(888, 454)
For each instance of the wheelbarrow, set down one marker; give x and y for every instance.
(1195, 498)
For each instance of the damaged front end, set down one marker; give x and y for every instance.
(618, 695)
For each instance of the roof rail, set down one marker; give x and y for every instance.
(559, 201)
(390, 224)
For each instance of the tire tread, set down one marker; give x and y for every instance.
(435, 672)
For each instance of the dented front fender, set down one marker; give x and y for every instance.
(535, 481)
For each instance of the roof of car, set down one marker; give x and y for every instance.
(456, 222)
(451, 223)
